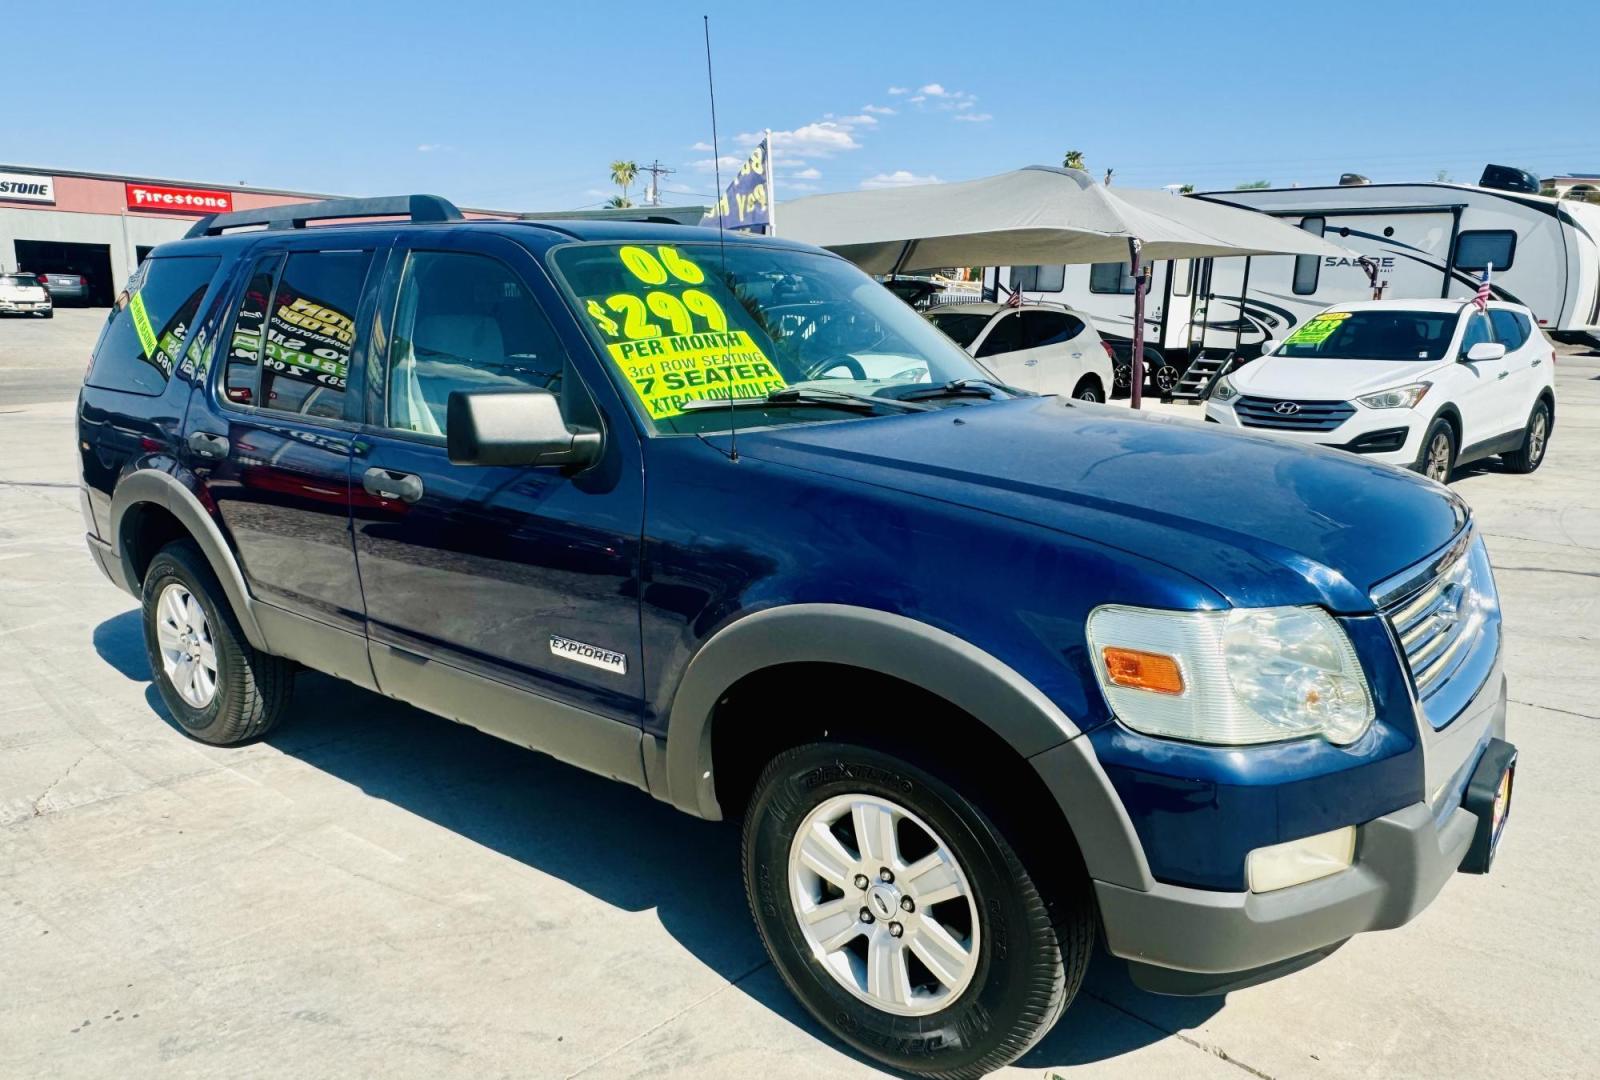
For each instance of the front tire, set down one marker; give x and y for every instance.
(220, 688)
(901, 917)
(1438, 459)
(1088, 389)
(1535, 441)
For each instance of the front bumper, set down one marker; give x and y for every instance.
(1181, 940)
(1365, 433)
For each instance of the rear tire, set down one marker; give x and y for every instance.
(1535, 441)
(220, 688)
(1438, 458)
(1088, 389)
(1005, 969)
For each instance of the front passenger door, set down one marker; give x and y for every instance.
(477, 574)
(1481, 384)
(998, 349)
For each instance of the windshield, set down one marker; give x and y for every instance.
(680, 326)
(1372, 335)
(962, 327)
(23, 280)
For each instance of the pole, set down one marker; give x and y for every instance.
(772, 203)
(1136, 371)
(1244, 291)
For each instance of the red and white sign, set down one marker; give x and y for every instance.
(177, 200)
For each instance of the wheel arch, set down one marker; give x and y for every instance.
(877, 645)
(151, 509)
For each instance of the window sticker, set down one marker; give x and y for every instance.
(1317, 330)
(671, 339)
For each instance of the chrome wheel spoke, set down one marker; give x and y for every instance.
(874, 825)
(946, 957)
(188, 653)
(835, 923)
(822, 852)
(932, 879)
(888, 978)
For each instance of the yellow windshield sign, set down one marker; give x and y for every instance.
(671, 339)
(1317, 330)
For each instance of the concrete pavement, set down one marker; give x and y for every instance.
(377, 891)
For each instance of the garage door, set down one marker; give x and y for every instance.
(93, 261)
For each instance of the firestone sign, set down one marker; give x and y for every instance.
(177, 200)
(25, 187)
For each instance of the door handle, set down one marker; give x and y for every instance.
(1536, 363)
(387, 484)
(1502, 375)
(208, 445)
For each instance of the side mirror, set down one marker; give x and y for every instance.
(515, 427)
(1484, 351)
(1267, 346)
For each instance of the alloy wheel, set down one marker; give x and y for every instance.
(1538, 435)
(1439, 458)
(883, 905)
(188, 653)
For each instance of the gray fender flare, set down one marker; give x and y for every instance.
(939, 662)
(163, 490)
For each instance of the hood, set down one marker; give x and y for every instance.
(1259, 520)
(1326, 378)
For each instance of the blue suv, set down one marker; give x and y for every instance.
(988, 677)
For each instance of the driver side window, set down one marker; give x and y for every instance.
(1004, 336)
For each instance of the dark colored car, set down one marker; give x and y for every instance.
(734, 525)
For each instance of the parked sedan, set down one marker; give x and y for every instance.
(22, 294)
(1046, 348)
(65, 286)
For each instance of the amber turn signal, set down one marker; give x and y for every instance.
(1143, 671)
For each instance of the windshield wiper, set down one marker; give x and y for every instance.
(957, 388)
(805, 397)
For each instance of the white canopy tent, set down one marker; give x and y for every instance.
(1037, 215)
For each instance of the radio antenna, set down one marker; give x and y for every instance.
(722, 243)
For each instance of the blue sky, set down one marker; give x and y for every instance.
(520, 106)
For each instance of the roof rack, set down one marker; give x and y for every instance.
(420, 209)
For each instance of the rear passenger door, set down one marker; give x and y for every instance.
(1054, 350)
(273, 437)
(475, 576)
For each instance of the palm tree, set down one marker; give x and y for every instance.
(1073, 160)
(619, 202)
(1185, 189)
(622, 174)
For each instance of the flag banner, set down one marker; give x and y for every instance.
(747, 204)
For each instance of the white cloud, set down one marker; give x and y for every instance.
(791, 185)
(973, 118)
(431, 147)
(823, 138)
(727, 161)
(881, 110)
(863, 120)
(918, 100)
(812, 173)
(703, 147)
(898, 178)
(966, 105)
(933, 89)
(897, 90)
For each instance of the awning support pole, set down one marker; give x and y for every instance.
(1136, 371)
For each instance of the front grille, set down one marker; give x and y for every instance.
(1282, 415)
(1438, 621)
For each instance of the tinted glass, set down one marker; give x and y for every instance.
(465, 322)
(1476, 249)
(1307, 267)
(311, 332)
(241, 379)
(21, 280)
(1048, 328)
(1476, 333)
(963, 327)
(1038, 278)
(1372, 335)
(1507, 330)
(1111, 278)
(689, 322)
(149, 323)
(1004, 337)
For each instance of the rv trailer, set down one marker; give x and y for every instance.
(1424, 240)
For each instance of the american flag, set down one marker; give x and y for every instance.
(1481, 299)
(1015, 299)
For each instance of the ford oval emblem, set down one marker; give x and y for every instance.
(1286, 408)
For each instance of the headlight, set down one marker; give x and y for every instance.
(1401, 397)
(1236, 677)
(1224, 390)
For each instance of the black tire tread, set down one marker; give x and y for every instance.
(1521, 460)
(255, 685)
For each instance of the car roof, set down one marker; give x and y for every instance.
(1431, 304)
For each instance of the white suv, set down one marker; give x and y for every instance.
(1045, 348)
(1428, 384)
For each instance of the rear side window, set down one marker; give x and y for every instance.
(1038, 278)
(241, 380)
(1476, 249)
(1111, 278)
(1042, 328)
(311, 332)
(146, 331)
(1508, 330)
